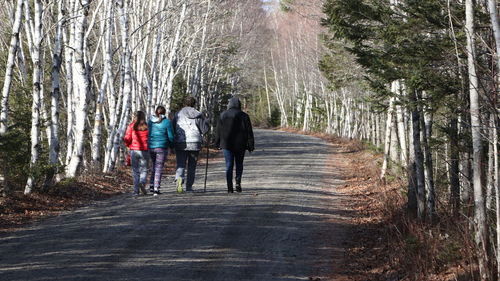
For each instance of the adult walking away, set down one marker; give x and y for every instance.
(189, 127)
(136, 139)
(160, 138)
(234, 136)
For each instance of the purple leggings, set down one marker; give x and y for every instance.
(158, 157)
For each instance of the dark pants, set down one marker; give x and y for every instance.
(233, 157)
(191, 157)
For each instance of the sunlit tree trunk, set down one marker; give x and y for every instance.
(106, 28)
(13, 48)
(81, 86)
(54, 146)
(387, 138)
(481, 228)
(36, 57)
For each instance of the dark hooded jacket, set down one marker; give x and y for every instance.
(234, 129)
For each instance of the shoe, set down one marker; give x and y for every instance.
(230, 188)
(179, 185)
(135, 194)
(151, 189)
(238, 187)
(157, 191)
(143, 189)
(155, 194)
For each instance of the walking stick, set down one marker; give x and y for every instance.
(206, 171)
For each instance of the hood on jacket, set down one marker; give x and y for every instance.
(156, 119)
(190, 112)
(234, 102)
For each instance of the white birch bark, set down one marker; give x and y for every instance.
(126, 88)
(172, 57)
(481, 228)
(492, 7)
(56, 86)
(68, 36)
(36, 57)
(387, 138)
(107, 54)
(81, 86)
(13, 49)
(428, 170)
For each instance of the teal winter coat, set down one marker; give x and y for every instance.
(161, 133)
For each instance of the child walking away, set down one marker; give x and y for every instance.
(161, 137)
(189, 127)
(136, 139)
(234, 136)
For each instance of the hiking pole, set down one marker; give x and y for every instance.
(206, 170)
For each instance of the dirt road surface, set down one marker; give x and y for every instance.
(286, 225)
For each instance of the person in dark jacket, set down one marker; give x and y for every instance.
(234, 136)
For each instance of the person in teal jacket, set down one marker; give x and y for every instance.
(161, 137)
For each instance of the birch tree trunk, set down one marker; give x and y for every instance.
(68, 37)
(126, 88)
(481, 228)
(387, 138)
(106, 28)
(13, 48)
(492, 7)
(56, 86)
(36, 57)
(81, 85)
(428, 164)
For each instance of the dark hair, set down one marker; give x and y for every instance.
(189, 101)
(160, 113)
(140, 121)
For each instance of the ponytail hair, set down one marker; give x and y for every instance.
(140, 121)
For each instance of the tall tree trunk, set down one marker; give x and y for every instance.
(481, 228)
(492, 7)
(54, 146)
(107, 54)
(267, 95)
(387, 138)
(13, 48)
(4, 105)
(454, 166)
(36, 57)
(419, 158)
(81, 86)
(428, 164)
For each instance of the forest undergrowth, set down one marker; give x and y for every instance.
(387, 244)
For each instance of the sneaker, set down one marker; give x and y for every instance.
(238, 187)
(143, 189)
(157, 191)
(135, 194)
(155, 194)
(179, 185)
(151, 189)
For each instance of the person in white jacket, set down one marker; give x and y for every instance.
(189, 127)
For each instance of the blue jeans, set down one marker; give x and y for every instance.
(191, 157)
(233, 157)
(139, 159)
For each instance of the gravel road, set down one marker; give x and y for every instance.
(285, 225)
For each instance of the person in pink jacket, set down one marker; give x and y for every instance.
(136, 139)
